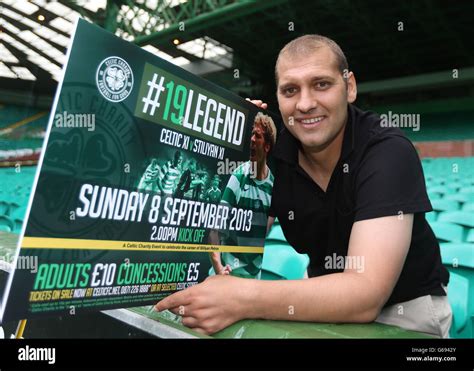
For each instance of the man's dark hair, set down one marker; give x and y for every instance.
(307, 44)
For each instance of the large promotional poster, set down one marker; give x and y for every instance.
(151, 179)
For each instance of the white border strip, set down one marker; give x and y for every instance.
(148, 325)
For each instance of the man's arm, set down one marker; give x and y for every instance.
(216, 256)
(270, 221)
(349, 296)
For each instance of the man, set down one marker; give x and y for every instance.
(188, 182)
(213, 194)
(170, 173)
(344, 187)
(150, 177)
(250, 188)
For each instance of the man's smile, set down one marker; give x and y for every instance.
(310, 122)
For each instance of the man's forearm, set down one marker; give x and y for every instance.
(216, 261)
(339, 297)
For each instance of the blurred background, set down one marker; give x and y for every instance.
(408, 58)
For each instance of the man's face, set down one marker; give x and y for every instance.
(258, 147)
(178, 160)
(313, 97)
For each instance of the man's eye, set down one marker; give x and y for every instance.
(289, 91)
(322, 85)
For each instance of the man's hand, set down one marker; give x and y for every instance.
(258, 103)
(212, 305)
(225, 270)
(216, 262)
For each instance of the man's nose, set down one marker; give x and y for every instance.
(306, 102)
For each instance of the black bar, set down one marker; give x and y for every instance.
(242, 354)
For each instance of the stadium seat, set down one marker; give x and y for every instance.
(441, 189)
(12, 207)
(453, 186)
(457, 217)
(448, 232)
(462, 197)
(457, 254)
(468, 206)
(445, 205)
(4, 206)
(469, 189)
(459, 259)
(433, 195)
(5, 228)
(18, 223)
(430, 217)
(281, 261)
(276, 234)
(458, 296)
(6, 221)
(470, 236)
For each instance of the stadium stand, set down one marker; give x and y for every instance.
(450, 185)
(22, 131)
(14, 194)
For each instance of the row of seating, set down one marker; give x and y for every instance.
(11, 114)
(452, 221)
(14, 195)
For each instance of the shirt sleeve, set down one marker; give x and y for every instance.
(390, 181)
(232, 191)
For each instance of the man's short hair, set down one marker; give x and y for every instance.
(309, 43)
(268, 127)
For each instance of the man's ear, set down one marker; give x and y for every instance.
(267, 148)
(351, 88)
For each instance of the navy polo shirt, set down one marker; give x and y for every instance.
(378, 174)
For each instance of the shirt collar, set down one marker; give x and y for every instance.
(287, 146)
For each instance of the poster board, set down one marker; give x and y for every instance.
(137, 178)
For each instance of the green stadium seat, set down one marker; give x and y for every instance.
(448, 232)
(441, 189)
(4, 207)
(5, 228)
(281, 261)
(459, 259)
(462, 197)
(453, 186)
(467, 190)
(18, 223)
(20, 212)
(434, 195)
(430, 217)
(276, 234)
(445, 205)
(470, 236)
(458, 296)
(457, 254)
(468, 206)
(457, 217)
(6, 221)
(12, 207)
